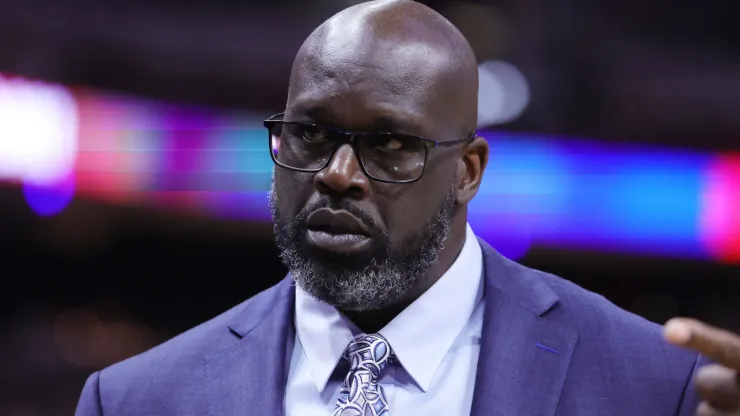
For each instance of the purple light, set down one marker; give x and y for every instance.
(508, 234)
(49, 200)
(275, 144)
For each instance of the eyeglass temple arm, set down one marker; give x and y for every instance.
(455, 142)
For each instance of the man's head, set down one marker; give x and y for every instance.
(388, 66)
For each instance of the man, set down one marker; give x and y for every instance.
(397, 308)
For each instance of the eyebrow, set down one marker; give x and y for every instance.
(393, 125)
(386, 124)
(312, 113)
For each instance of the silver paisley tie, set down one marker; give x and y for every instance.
(361, 394)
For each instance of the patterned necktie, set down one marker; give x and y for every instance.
(361, 395)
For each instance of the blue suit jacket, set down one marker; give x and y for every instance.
(548, 348)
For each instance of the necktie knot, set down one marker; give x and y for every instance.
(368, 352)
(361, 393)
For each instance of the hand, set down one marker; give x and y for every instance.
(717, 384)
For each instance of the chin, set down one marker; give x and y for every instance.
(338, 263)
(367, 288)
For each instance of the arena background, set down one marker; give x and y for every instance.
(134, 168)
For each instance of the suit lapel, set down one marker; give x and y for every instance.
(524, 356)
(521, 371)
(249, 376)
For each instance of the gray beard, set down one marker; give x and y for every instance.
(370, 283)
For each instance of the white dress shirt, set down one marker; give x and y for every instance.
(436, 341)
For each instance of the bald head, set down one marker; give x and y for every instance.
(411, 60)
(390, 66)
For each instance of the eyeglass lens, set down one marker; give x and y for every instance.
(391, 157)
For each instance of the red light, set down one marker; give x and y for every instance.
(720, 218)
(106, 168)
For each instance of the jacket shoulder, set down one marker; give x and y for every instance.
(612, 335)
(175, 367)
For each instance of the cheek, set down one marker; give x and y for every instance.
(406, 215)
(291, 191)
(408, 209)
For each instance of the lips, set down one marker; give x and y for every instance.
(337, 231)
(336, 222)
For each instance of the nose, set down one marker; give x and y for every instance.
(343, 176)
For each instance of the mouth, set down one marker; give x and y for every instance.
(337, 231)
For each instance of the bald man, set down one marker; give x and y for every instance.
(392, 305)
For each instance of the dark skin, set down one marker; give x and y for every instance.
(397, 66)
(717, 384)
(368, 70)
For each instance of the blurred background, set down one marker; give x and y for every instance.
(134, 166)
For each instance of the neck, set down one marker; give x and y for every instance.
(373, 321)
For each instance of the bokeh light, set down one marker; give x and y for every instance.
(720, 217)
(539, 190)
(38, 131)
(50, 198)
(503, 93)
(85, 340)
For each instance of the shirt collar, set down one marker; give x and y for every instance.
(324, 334)
(420, 336)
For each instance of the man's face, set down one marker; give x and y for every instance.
(353, 242)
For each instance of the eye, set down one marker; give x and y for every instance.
(390, 144)
(314, 135)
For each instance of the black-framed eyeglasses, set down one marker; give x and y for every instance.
(384, 157)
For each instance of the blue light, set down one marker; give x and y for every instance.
(537, 190)
(251, 206)
(582, 194)
(49, 200)
(241, 161)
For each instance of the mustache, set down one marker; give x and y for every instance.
(337, 205)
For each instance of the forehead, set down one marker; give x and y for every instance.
(368, 85)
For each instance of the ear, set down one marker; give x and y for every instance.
(470, 170)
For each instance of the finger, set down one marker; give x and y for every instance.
(719, 386)
(706, 409)
(719, 345)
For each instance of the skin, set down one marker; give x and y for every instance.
(399, 66)
(717, 384)
(389, 66)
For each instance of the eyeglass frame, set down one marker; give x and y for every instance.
(351, 139)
